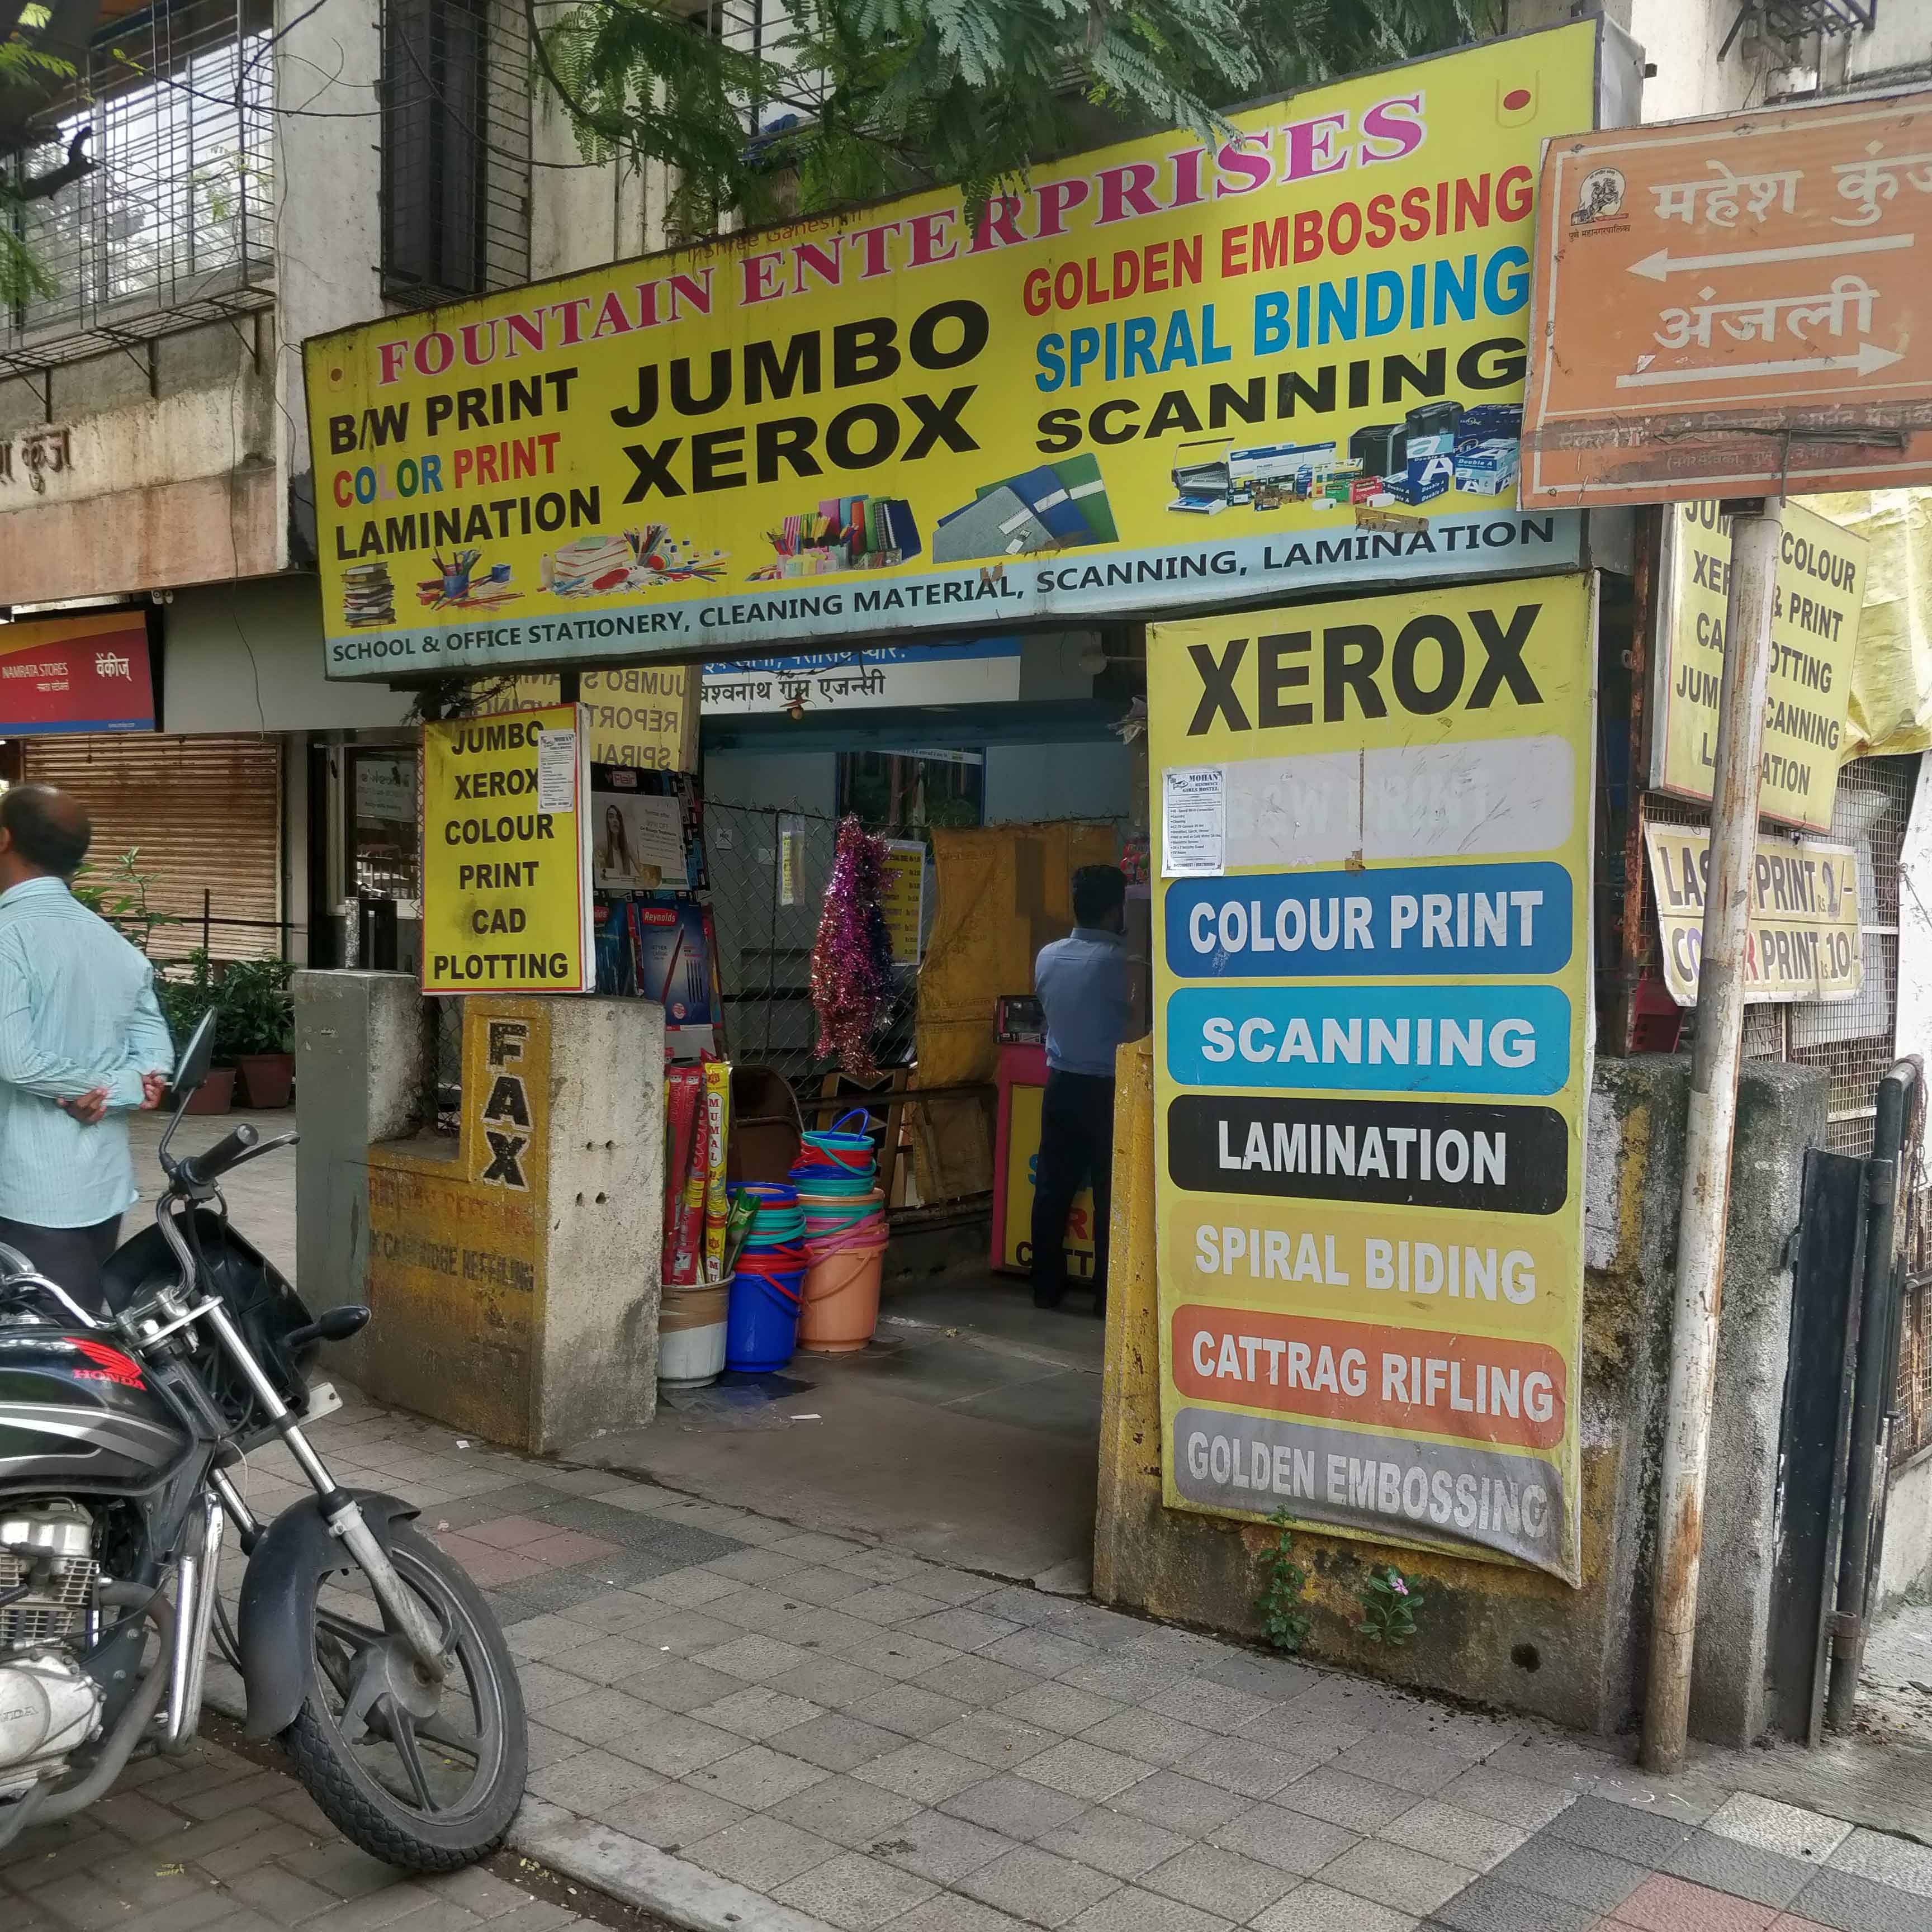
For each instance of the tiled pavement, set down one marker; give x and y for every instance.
(804, 1722)
(212, 1843)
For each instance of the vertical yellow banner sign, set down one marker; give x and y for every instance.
(1372, 1021)
(506, 854)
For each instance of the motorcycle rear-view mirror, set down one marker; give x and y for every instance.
(190, 1071)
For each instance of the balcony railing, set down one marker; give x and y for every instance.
(174, 224)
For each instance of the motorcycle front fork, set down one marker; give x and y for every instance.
(404, 1608)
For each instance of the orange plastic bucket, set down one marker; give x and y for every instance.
(841, 1301)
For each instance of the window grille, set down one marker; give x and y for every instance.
(456, 149)
(174, 224)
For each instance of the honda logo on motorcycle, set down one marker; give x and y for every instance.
(109, 1366)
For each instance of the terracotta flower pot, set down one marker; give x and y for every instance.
(216, 1094)
(266, 1079)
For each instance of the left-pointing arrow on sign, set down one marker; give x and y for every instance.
(1869, 356)
(1655, 268)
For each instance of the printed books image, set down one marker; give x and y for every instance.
(368, 596)
(1055, 506)
(601, 565)
(843, 533)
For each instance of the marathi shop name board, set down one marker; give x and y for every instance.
(1819, 593)
(1371, 988)
(506, 899)
(1165, 373)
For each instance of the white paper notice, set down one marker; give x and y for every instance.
(556, 770)
(1192, 822)
(660, 826)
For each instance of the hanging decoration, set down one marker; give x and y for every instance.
(852, 961)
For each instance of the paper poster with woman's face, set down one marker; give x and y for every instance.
(637, 841)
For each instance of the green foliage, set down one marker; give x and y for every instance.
(23, 64)
(253, 1012)
(257, 1014)
(1390, 1602)
(185, 989)
(1284, 1622)
(118, 892)
(888, 95)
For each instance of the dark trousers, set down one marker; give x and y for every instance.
(1076, 1145)
(72, 1257)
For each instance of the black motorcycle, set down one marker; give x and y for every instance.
(364, 1648)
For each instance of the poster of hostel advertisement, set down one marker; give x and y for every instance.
(1372, 965)
(1172, 372)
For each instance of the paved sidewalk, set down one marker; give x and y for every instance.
(210, 1842)
(739, 1724)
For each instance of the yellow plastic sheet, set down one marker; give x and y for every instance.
(1004, 891)
(1891, 676)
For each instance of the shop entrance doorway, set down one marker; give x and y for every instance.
(968, 1428)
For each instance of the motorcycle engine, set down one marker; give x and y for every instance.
(48, 1704)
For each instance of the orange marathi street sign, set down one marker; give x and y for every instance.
(1733, 307)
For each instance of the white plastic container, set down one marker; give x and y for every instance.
(691, 1358)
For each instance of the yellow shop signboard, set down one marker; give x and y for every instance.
(1814, 636)
(506, 856)
(1168, 372)
(1371, 988)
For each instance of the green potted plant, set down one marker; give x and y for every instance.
(256, 1029)
(186, 990)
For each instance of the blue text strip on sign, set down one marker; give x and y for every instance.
(1380, 1039)
(1440, 920)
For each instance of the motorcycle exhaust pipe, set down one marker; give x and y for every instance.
(198, 1582)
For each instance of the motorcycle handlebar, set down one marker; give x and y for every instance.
(204, 1169)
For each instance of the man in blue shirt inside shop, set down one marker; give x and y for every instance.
(82, 1045)
(1085, 986)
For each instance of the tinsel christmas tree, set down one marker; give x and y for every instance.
(852, 960)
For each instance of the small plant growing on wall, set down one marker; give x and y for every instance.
(1389, 1603)
(1284, 1622)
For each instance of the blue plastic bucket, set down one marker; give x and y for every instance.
(761, 1323)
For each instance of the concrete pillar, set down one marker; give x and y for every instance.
(361, 1075)
(512, 1268)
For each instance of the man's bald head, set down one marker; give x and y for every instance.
(45, 830)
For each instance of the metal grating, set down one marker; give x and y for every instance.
(174, 224)
(1854, 1042)
(456, 149)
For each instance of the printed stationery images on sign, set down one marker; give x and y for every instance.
(1170, 371)
(1371, 984)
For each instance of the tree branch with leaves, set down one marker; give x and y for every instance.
(848, 101)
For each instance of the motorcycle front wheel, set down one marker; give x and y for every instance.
(425, 1777)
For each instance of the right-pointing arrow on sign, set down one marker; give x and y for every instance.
(1869, 356)
(1655, 268)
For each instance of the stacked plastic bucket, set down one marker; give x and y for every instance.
(767, 1282)
(836, 1178)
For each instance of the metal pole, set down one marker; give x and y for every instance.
(1878, 1329)
(1756, 528)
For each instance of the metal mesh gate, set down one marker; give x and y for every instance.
(1852, 1041)
(768, 872)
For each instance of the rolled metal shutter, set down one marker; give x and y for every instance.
(204, 815)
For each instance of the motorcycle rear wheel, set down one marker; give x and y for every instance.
(426, 1778)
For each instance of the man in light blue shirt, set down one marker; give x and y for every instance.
(82, 1044)
(1086, 991)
